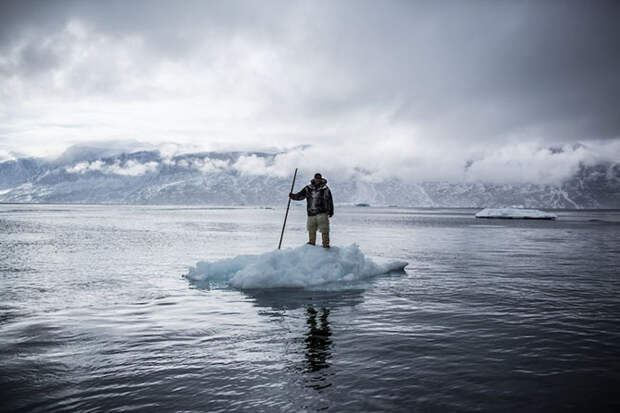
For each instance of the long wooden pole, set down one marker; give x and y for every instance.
(287, 207)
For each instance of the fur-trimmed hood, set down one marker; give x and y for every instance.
(318, 183)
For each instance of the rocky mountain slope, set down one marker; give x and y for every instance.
(147, 177)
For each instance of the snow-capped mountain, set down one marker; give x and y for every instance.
(148, 177)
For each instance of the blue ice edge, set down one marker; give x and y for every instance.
(305, 267)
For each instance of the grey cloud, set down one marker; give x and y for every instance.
(34, 33)
(34, 59)
(510, 65)
(462, 71)
(170, 28)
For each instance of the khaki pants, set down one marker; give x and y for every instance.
(320, 222)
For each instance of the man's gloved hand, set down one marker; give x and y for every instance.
(290, 195)
(331, 215)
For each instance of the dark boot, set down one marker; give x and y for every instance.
(325, 236)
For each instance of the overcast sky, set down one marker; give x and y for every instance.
(499, 90)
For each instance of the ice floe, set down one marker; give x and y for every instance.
(301, 267)
(516, 213)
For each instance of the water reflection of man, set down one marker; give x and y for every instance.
(318, 342)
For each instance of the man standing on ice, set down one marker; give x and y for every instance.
(320, 207)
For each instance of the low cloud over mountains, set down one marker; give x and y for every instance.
(258, 178)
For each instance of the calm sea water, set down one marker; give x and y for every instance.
(489, 316)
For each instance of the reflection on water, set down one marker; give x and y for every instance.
(318, 345)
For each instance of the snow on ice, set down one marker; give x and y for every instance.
(514, 213)
(302, 267)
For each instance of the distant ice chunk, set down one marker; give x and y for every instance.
(516, 213)
(302, 267)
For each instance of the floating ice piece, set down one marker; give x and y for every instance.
(301, 267)
(514, 213)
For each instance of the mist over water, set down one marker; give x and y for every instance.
(95, 313)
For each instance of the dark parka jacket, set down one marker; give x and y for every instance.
(318, 198)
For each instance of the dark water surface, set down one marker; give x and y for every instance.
(489, 316)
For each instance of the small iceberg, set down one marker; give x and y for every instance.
(514, 213)
(302, 267)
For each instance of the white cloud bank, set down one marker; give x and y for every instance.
(127, 168)
(516, 163)
(204, 165)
